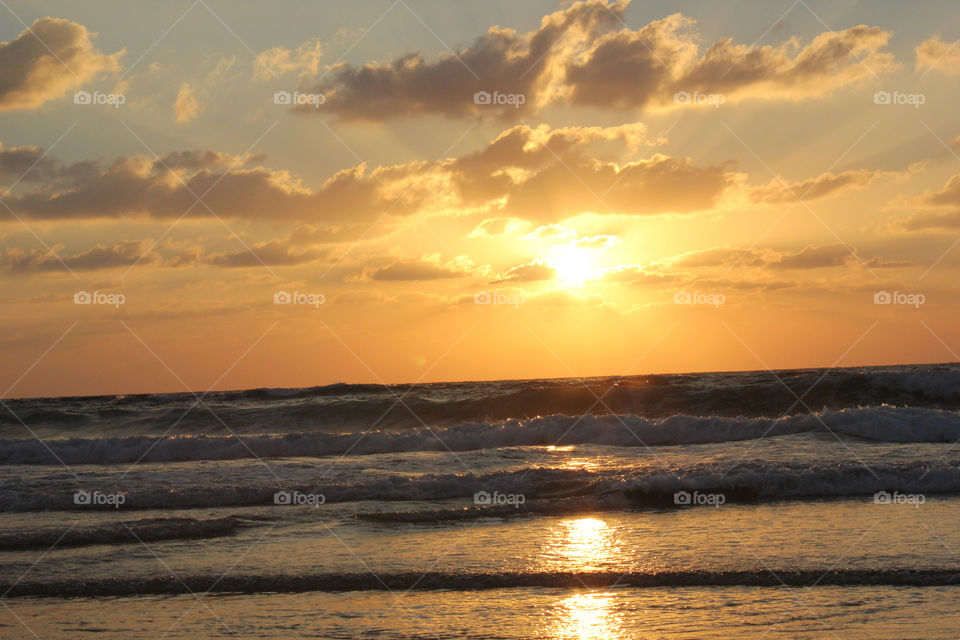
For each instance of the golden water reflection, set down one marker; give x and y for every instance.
(587, 616)
(584, 544)
(581, 544)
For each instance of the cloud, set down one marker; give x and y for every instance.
(417, 269)
(934, 53)
(949, 195)
(580, 184)
(274, 253)
(310, 234)
(206, 159)
(635, 274)
(584, 56)
(778, 190)
(596, 242)
(499, 60)
(815, 257)
(524, 173)
(533, 271)
(139, 186)
(940, 209)
(31, 164)
(882, 263)
(48, 59)
(933, 220)
(546, 174)
(304, 60)
(525, 176)
(647, 67)
(186, 107)
(552, 232)
(809, 257)
(498, 227)
(100, 257)
(719, 256)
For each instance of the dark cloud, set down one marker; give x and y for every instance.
(500, 60)
(48, 59)
(933, 220)
(584, 55)
(100, 257)
(274, 253)
(354, 198)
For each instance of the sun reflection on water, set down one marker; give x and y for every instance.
(581, 544)
(587, 616)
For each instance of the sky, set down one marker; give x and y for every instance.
(222, 195)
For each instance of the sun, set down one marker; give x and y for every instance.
(572, 264)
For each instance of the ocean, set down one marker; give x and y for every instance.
(796, 504)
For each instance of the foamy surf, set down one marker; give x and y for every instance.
(882, 424)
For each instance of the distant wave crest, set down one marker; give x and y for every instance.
(883, 423)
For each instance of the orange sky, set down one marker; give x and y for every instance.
(403, 192)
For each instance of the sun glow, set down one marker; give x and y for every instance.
(572, 264)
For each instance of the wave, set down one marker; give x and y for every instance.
(884, 424)
(470, 581)
(544, 490)
(148, 530)
(359, 406)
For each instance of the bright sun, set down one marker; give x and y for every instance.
(573, 265)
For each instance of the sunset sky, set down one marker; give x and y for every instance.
(650, 187)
